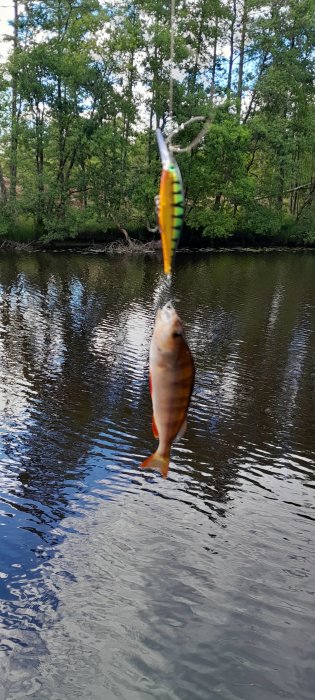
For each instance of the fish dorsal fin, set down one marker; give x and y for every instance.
(181, 431)
(154, 428)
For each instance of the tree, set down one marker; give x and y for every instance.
(86, 83)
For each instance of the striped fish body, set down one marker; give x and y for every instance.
(171, 377)
(171, 212)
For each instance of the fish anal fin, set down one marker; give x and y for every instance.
(154, 428)
(181, 431)
(156, 461)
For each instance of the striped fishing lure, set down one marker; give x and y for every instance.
(170, 204)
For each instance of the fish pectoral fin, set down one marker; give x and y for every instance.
(156, 461)
(154, 428)
(181, 431)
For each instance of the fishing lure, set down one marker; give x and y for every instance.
(170, 204)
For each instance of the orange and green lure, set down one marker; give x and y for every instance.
(171, 204)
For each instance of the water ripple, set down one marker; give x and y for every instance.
(113, 582)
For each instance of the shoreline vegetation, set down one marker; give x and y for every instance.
(84, 85)
(136, 247)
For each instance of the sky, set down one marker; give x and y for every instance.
(6, 13)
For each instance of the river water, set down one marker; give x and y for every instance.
(115, 583)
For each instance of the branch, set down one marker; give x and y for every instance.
(79, 191)
(292, 189)
(253, 97)
(187, 149)
(249, 109)
(248, 167)
(121, 229)
(150, 229)
(300, 187)
(308, 199)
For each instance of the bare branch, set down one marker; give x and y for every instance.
(292, 189)
(308, 200)
(187, 149)
(121, 229)
(253, 156)
(254, 93)
(299, 187)
(153, 229)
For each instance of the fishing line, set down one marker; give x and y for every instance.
(172, 51)
(206, 119)
(163, 292)
(168, 278)
(170, 202)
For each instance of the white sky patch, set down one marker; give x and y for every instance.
(141, 91)
(6, 14)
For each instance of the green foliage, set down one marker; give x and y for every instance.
(86, 84)
(305, 228)
(264, 221)
(215, 224)
(4, 224)
(22, 230)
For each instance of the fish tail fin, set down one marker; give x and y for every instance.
(157, 461)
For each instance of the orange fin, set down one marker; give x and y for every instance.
(154, 428)
(181, 431)
(156, 461)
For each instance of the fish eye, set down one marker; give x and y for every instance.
(175, 334)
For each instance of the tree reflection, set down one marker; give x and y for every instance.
(74, 399)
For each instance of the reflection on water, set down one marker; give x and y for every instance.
(114, 583)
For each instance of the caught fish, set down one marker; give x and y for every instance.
(170, 204)
(172, 376)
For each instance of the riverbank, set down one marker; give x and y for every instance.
(135, 247)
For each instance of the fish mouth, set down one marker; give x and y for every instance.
(170, 317)
(168, 312)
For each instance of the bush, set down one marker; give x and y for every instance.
(214, 224)
(261, 221)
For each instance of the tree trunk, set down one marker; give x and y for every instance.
(39, 123)
(217, 202)
(84, 196)
(198, 49)
(3, 189)
(127, 116)
(61, 153)
(214, 63)
(14, 116)
(294, 190)
(61, 127)
(150, 133)
(280, 186)
(231, 59)
(241, 63)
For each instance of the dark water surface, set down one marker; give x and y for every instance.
(113, 582)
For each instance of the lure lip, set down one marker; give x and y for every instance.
(165, 155)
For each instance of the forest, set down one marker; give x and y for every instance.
(84, 84)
